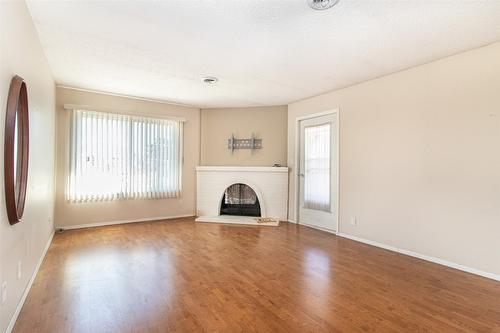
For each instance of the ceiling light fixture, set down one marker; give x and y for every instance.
(209, 80)
(322, 4)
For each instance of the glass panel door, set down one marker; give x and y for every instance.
(318, 172)
(317, 189)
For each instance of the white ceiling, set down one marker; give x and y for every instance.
(264, 52)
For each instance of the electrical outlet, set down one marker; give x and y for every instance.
(353, 221)
(19, 265)
(4, 291)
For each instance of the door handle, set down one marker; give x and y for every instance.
(301, 175)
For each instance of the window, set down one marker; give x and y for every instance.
(123, 157)
(317, 167)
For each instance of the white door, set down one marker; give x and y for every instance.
(318, 171)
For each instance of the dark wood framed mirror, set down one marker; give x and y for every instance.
(16, 149)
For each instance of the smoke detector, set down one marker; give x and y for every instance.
(209, 80)
(322, 4)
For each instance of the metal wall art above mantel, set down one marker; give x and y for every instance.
(252, 143)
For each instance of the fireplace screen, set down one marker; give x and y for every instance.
(240, 199)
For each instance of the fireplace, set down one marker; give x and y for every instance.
(240, 199)
(241, 194)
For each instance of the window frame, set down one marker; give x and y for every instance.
(133, 117)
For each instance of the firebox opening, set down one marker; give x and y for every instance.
(240, 199)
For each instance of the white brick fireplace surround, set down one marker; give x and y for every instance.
(269, 183)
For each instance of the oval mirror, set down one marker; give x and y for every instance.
(16, 148)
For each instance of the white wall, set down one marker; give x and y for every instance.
(267, 123)
(420, 158)
(22, 54)
(68, 214)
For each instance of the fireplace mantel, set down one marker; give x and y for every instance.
(243, 168)
(269, 183)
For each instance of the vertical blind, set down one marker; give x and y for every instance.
(317, 183)
(117, 156)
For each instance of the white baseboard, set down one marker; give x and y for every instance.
(100, 224)
(28, 287)
(424, 257)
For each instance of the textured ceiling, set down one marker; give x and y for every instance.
(264, 52)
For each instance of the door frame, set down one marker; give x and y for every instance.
(336, 165)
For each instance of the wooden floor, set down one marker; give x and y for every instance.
(182, 276)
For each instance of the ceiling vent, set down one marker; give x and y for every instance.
(209, 80)
(322, 4)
